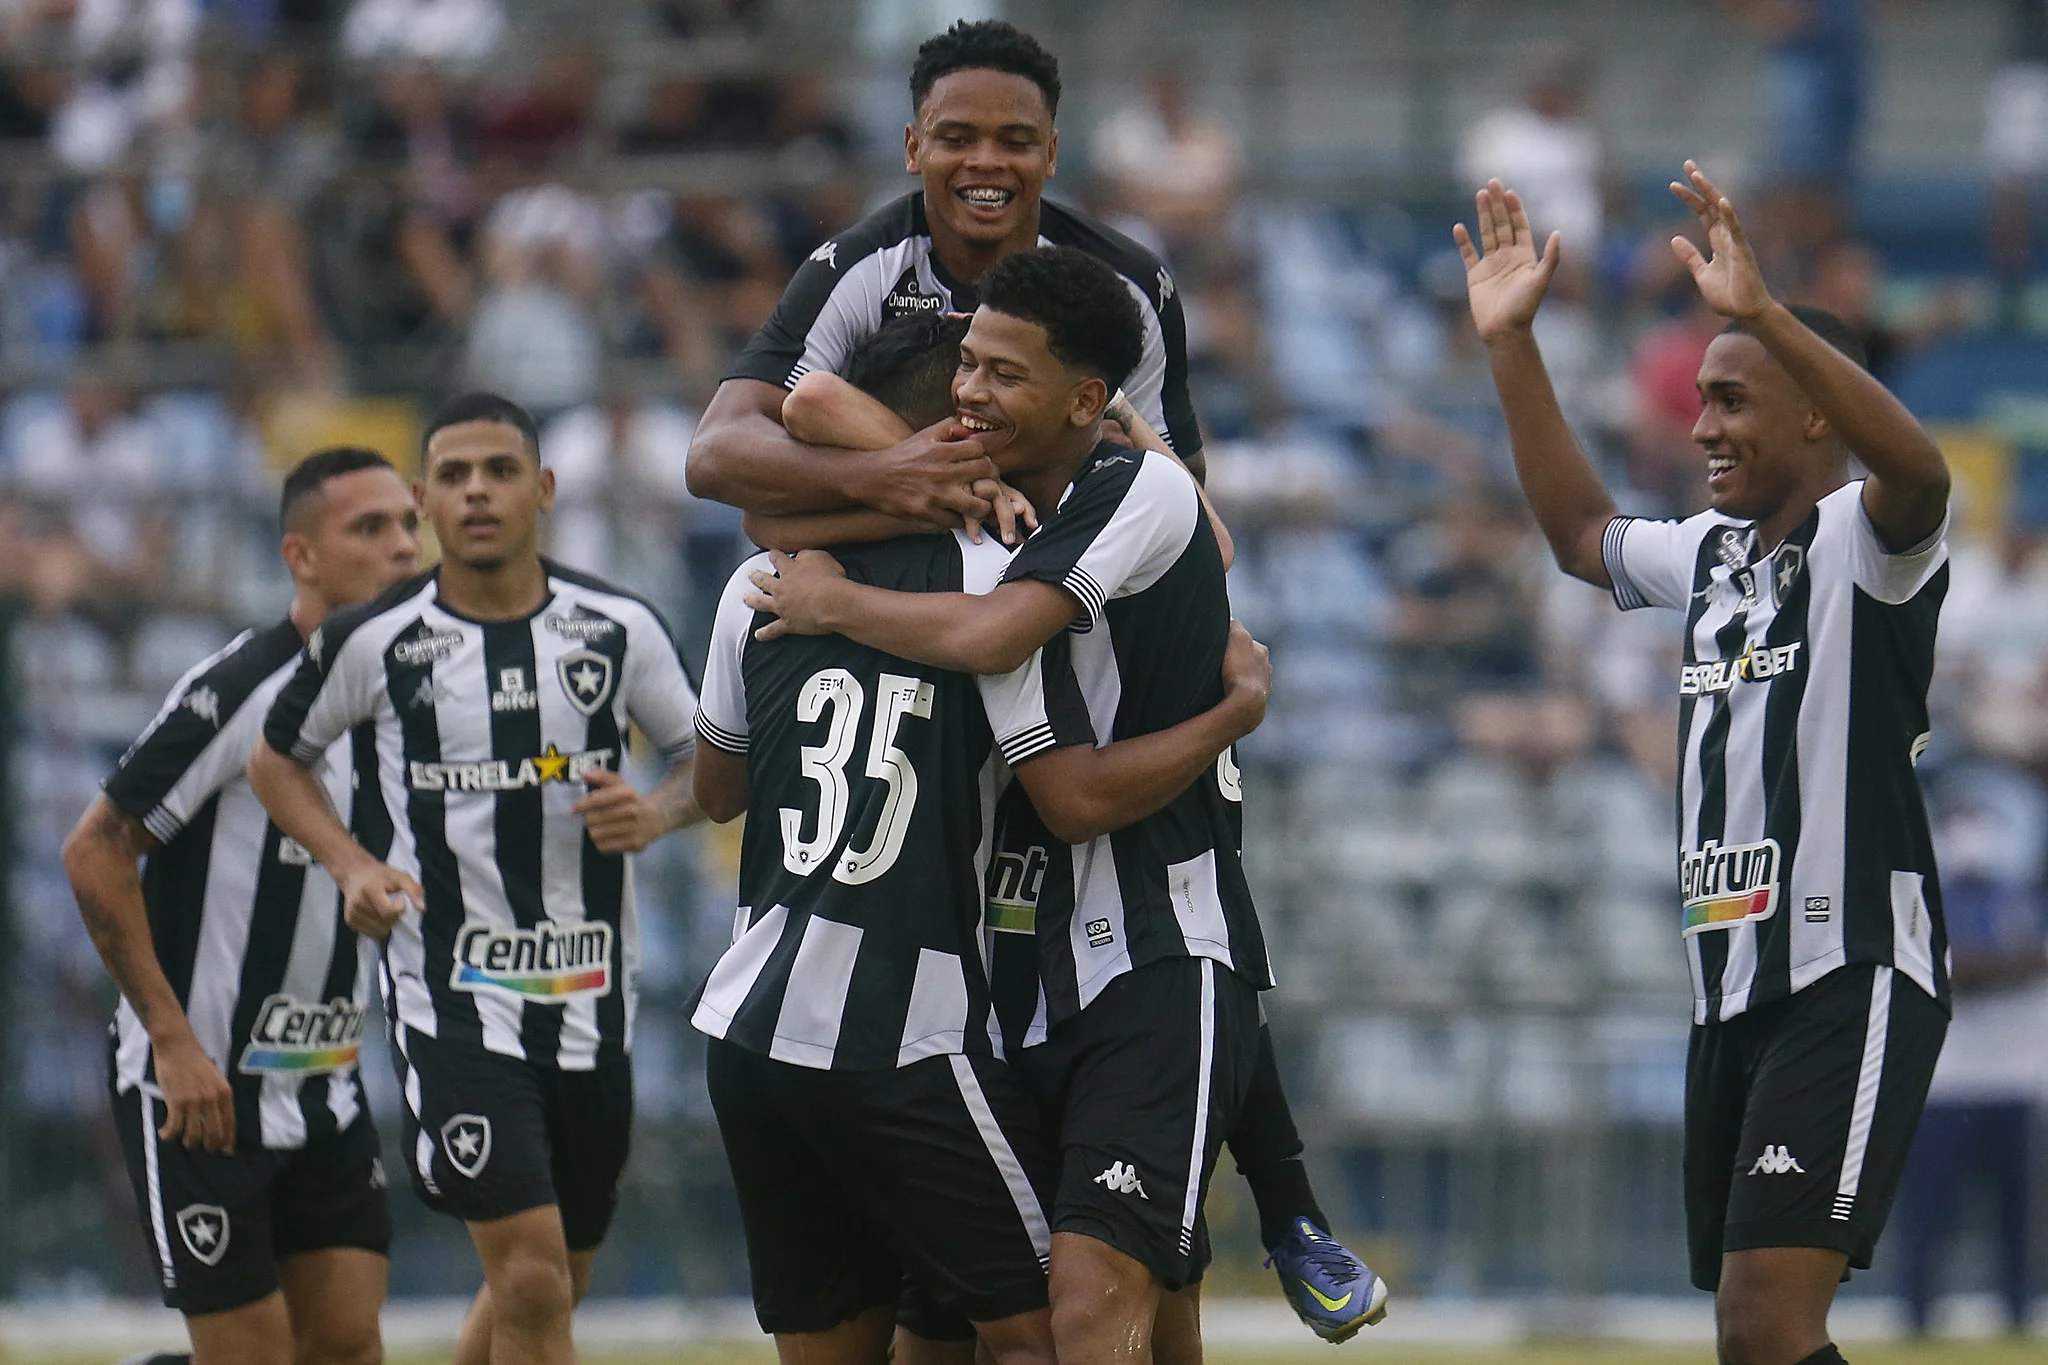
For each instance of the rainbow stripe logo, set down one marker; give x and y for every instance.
(292, 1037)
(547, 964)
(1729, 885)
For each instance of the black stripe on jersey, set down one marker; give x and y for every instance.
(511, 676)
(369, 819)
(278, 884)
(1713, 819)
(1885, 826)
(410, 686)
(753, 1024)
(342, 967)
(718, 738)
(604, 874)
(281, 729)
(596, 584)
(1781, 736)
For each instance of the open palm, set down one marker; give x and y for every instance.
(1730, 280)
(1505, 277)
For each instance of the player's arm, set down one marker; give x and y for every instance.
(1906, 494)
(825, 410)
(373, 893)
(993, 633)
(721, 783)
(1505, 280)
(1082, 792)
(621, 819)
(100, 858)
(1121, 422)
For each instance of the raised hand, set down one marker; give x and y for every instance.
(1730, 281)
(1505, 276)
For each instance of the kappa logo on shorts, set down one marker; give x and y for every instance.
(466, 1139)
(204, 1228)
(1122, 1178)
(1777, 1161)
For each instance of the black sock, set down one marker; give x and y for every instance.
(1267, 1148)
(1826, 1355)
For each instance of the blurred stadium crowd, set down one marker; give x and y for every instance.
(231, 230)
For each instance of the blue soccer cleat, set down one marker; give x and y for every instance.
(1333, 1291)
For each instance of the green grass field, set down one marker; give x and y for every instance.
(1935, 1353)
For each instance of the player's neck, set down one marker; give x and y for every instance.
(965, 261)
(1046, 482)
(508, 591)
(309, 609)
(1790, 515)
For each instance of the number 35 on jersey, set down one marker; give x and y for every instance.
(837, 697)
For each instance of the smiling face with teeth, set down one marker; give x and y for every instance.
(984, 144)
(1770, 454)
(1031, 411)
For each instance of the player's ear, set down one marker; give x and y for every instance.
(547, 489)
(1090, 399)
(299, 555)
(1052, 154)
(1817, 428)
(911, 145)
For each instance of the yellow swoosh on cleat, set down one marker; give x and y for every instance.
(1332, 1304)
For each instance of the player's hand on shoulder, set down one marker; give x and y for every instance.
(929, 477)
(1730, 280)
(1016, 518)
(1506, 275)
(618, 818)
(198, 1102)
(1247, 676)
(793, 589)
(375, 896)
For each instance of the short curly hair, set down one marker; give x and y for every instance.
(984, 45)
(908, 366)
(1091, 322)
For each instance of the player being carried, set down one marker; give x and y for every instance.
(236, 1045)
(875, 1134)
(1811, 911)
(499, 688)
(1146, 1035)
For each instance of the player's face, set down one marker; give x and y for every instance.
(484, 490)
(1014, 393)
(1756, 427)
(984, 144)
(365, 536)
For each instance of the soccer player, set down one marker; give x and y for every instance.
(901, 379)
(236, 1043)
(983, 96)
(499, 687)
(1811, 912)
(1113, 622)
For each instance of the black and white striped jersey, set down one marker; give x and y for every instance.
(483, 733)
(1130, 541)
(1803, 840)
(872, 784)
(247, 930)
(883, 268)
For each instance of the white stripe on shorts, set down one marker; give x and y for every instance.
(1868, 1082)
(1192, 1205)
(1000, 1152)
(156, 1191)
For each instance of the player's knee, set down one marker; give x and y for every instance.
(531, 1292)
(1097, 1289)
(357, 1344)
(1025, 1339)
(1747, 1332)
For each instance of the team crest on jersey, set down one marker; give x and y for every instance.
(587, 678)
(297, 1038)
(204, 1230)
(1014, 881)
(547, 964)
(1727, 885)
(466, 1140)
(1786, 566)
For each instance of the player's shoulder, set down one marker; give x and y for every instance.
(575, 588)
(346, 622)
(893, 224)
(933, 561)
(1122, 253)
(1116, 472)
(225, 679)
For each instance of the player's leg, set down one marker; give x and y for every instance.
(1104, 1302)
(206, 1216)
(1835, 1094)
(332, 1238)
(1331, 1289)
(1177, 1328)
(473, 1341)
(526, 1266)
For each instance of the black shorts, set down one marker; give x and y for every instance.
(489, 1136)
(849, 1180)
(1141, 1088)
(1799, 1115)
(219, 1224)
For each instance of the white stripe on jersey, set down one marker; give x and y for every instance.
(937, 1021)
(807, 1029)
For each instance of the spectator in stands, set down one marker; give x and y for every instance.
(1547, 147)
(458, 34)
(1992, 669)
(1664, 401)
(548, 119)
(2016, 151)
(1466, 618)
(534, 331)
(1160, 161)
(1991, 831)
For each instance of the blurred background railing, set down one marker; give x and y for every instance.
(233, 230)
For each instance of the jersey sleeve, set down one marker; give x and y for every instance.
(1650, 562)
(1039, 706)
(338, 685)
(820, 316)
(1889, 577)
(198, 744)
(1116, 534)
(659, 695)
(1158, 388)
(722, 718)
